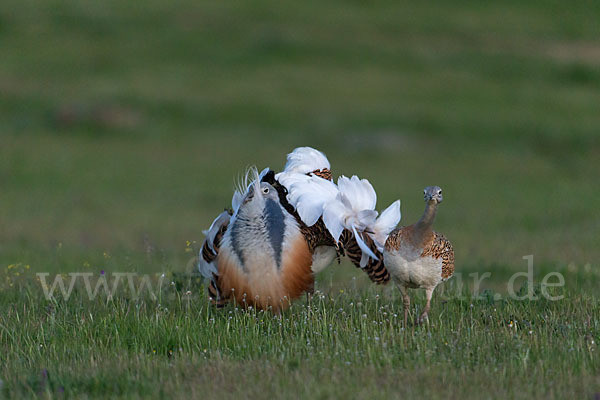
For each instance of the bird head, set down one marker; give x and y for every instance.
(433, 194)
(262, 191)
(268, 191)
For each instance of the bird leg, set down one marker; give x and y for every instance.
(428, 294)
(310, 291)
(406, 303)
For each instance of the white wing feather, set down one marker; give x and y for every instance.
(207, 269)
(210, 233)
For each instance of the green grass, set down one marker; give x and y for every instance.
(123, 126)
(348, 342)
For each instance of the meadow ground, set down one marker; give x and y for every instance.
(123, 126)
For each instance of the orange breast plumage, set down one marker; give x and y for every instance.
(264, 260)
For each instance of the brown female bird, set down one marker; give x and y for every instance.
(418, 257)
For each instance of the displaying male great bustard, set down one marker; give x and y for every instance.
(418, 257)
(285, 228)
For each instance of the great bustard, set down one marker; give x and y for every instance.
(418, 257)
(285, 228)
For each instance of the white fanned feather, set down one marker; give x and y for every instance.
(385, 223)
(289, 179)
(310, 196)
(304, 160)
(301, 162)
(353, 209)
(359, 191)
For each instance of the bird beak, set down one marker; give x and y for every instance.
(249, 196)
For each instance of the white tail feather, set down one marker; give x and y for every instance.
(289, 179)
(359, 191)
(310, 196)
(387, 222)
(353, 209)
(366, 251)
(303, 160)
(334, 218)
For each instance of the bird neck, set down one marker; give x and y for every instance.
(423, 227)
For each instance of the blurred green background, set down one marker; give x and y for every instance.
(124, 124)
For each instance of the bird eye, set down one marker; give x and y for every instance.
(265, 190)
(440, 192)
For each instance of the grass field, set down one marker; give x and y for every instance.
(123, 126)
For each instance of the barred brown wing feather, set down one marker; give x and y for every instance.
(375, 269)
(214, 292)
(323, 173)
(207, 254)
(440, 247)
(316, 235)
(396, 237)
